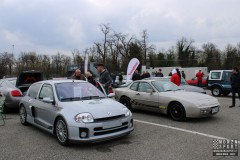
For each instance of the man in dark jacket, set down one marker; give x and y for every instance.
(78, 76)
(105, 78)
(235, 83)
(136, 76)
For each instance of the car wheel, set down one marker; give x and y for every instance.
(61, 131)
(226, 93)
(216, 91)
(126, 102)
(23, 115)
(177, 111)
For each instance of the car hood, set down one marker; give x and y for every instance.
(197, 98)
(99, 108)
(192, 88)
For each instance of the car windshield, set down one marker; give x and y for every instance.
(165, 86)
(73, 91)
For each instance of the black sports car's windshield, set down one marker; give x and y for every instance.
(164, 86)
(74, 91)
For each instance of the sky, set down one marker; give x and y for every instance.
(51, 26)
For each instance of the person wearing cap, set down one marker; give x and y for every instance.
(105, 78)
(78, 76)
(175, 77)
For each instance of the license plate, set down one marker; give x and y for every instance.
(112, 124)
(215, 110)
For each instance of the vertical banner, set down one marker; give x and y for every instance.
(132, 66)
(86, 64)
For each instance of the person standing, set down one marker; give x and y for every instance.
(147, 74)
(90, 78)
(175, 78)
(199, 76)
(120, 78)
(235, 84)
(78, 76)
(136, 76)
(183, 75)
(105, 78)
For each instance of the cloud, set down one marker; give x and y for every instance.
(61, 25)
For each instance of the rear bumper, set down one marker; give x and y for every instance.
(12, 102)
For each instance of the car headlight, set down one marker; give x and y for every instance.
(127, 112)
(84, 118)
(204, 110)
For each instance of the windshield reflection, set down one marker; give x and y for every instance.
(75, 91)
(165, 86)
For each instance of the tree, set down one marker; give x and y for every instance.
(212, 56)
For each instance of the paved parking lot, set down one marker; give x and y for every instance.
(155, 136)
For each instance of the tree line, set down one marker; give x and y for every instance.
(116, 49)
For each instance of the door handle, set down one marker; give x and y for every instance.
(138, 94)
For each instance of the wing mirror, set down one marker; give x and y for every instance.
(48, 100)
(150, 91)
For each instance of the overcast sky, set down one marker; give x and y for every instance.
(49, 26)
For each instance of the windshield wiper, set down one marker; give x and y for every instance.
(71, 99)
(90, 97)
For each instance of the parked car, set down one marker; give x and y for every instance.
(219, 82)
(194, 82)
(74, 111)
(166, 97)
(183, 85)
(15, 88)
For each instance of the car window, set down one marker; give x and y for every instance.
(227, 75)
(33, 90)
(134, 86)
(46, 91)
(215, 75)
(144, 86)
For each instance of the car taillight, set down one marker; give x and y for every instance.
(110, 90)
(16, 93)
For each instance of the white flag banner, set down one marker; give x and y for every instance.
(132, 66)
(86, 64)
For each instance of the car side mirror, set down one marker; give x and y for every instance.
(150, 91)
(48, 100)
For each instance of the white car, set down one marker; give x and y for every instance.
(167, 98)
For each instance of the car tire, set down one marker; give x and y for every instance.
(216, 91)
(177, 111)
(23, 115)
(61, 131)
(126, 102)
(226, 93)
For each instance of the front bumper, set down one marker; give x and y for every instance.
(101, 131)
(203, 112)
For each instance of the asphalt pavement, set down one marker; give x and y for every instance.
(155, 137)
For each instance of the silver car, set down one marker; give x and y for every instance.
(74, 110)
(183, 85)
(13, 95)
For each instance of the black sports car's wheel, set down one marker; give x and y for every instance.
(126, 102)
(177, 111)
(23, 115)
(61, 132)
(216, 91)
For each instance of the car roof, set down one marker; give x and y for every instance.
(60, 81)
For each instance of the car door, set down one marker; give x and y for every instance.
(144, 98)
(45, 111)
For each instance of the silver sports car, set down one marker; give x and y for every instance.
(74, 110)
(167, 98)
(183, 85)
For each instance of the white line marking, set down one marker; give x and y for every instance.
(181, 129)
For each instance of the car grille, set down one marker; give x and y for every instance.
(100, 131)
(109, 118)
